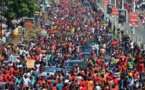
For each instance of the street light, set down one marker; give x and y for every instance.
(133, 11)
(122, 4)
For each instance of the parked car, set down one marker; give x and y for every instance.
(91, 42)
(47, 70)
(86, 48)
(14, 59)
(86, 55)
(69, 64)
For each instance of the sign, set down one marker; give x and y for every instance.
(105, 3)
(115, 12)
(122, 16)
(109, 8)
(30, 63)
(133, 19)
(29, 23)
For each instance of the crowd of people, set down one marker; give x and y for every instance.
(71, 24)
(142, 18)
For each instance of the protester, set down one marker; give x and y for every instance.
(114, 64)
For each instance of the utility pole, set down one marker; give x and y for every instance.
(115, 4)
(121, 23)
(134, 11)
(122, 4)
(115, 23)
(110, 1)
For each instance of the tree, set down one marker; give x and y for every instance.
(19, 8)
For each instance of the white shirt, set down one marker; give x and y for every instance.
(7, 34)
(3, 39)
(37, 65)
(92, 30)
(26, 81)
(11, 57)
(99, 38)
(18, 66)
(79, 78)
(27, 52)
(131, 81)
(17, 60)
(98, 88)
(104, 45)
(132, 46)
(10, 64)
(28, 74)
(20, 51)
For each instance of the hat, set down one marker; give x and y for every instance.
(8, 46)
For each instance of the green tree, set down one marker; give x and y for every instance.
(19, 8)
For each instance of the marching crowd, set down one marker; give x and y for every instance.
(71, 24)
(142, 18)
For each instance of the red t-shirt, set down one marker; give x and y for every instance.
(5, 77)
(66, 88)
(10, 76)
(54, 88)
(38, 49)
(15, 72)
(84, 88)
(37, 57)
(1, 78)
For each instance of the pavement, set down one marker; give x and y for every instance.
(139, 35)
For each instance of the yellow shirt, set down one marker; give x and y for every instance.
(116, 61)
(90, 85)
(73, 30)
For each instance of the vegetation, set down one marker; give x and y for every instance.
(19, 8)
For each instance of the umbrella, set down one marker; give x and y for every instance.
(14, 21)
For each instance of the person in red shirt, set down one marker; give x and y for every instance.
(83, 87)
(15, 71)
(54, 87)
(66, 87)
(38, 49)
(97, 78)
(82, 82)
(1, 78)
(10, 76)
(98, 61)
(135, 74)
(5, 77)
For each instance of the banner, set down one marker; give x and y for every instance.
(133, 19)
(115, 12)
(105, 3)
(30, 63)
(122, 16)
